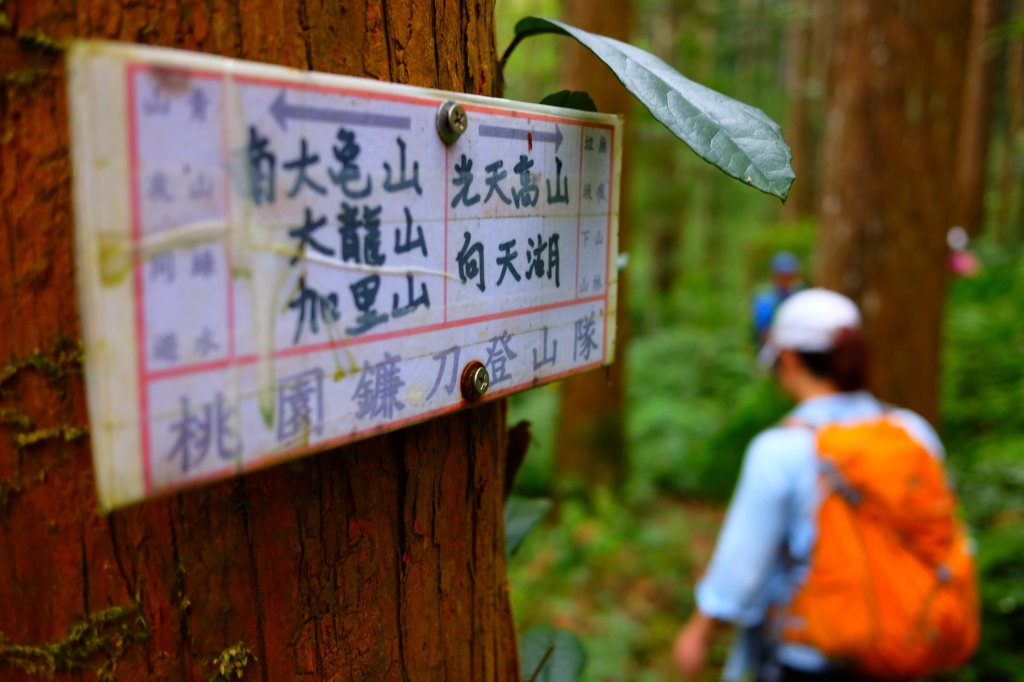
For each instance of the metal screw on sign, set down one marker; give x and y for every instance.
(475, 381)
(452, 121)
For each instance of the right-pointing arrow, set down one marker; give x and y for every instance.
(506, 133)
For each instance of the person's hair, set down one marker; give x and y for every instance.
(846, 363)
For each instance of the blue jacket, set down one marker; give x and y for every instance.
(766, 300)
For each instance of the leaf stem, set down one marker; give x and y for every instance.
(515, 41)
(543, 660)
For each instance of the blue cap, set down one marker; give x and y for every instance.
(785, 263)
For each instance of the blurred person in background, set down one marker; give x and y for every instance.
(785, 271)
(962, 261)
(818, 355)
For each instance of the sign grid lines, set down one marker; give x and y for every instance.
(309, 264)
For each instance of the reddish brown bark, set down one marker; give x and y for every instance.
(893, 112)
(976, 120)
(590, 445)
(379, 561)
(1011, 195)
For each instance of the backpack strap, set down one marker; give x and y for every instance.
(826, 468)
(798, 423)
(839, 484)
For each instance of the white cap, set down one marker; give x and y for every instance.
(957, 238)
(808, 321)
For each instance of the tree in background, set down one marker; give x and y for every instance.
(799, 128)
(381, 561)
(976, 119)
(893, 113)
(590, 445)
(1011, 188)
(665, 221)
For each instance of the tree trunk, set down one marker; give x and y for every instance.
(1011, 195)
(666, 218)
(890, 148)
(590, 445)
(748, 47)
(381, 561)
(976, 120)
(798, 133)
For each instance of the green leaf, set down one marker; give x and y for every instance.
(549, 654)
(736, 137)
(521, 515)
(570, 99)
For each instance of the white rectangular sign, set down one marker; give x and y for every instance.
(273, 262)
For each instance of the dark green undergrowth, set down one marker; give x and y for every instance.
(983, 427)
(619, 569)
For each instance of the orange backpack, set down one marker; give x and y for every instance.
(890, 587)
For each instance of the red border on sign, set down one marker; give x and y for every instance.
(278, 458)
(196, 368)
(140, 312)
(608, 265)
(147, 377)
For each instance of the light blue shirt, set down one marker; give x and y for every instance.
(770, 526)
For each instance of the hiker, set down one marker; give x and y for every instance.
(770, 533)
(785, 270)
(961, 261)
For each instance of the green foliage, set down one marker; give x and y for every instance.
(618, 575)
(570, 99)
(65, 357)
(993, 496)
(521, 515)
(540, 408)
(992, 490)
(525, 78)
(694, 392)
(94, 643)
(759, 405)
(65, 433)
(983, 373)
(40, 41)
(676, 406)
(739, 139)
(983, 428)
(696, 396)
(619, 570)
(231, 663)
(550, 654)
(1002, 598)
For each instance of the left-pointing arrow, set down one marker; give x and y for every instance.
(282, 111)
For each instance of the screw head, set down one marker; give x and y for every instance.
(457, 119)
(452, 121)
(475, 381)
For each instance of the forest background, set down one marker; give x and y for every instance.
(616, 560)
(904, 117)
